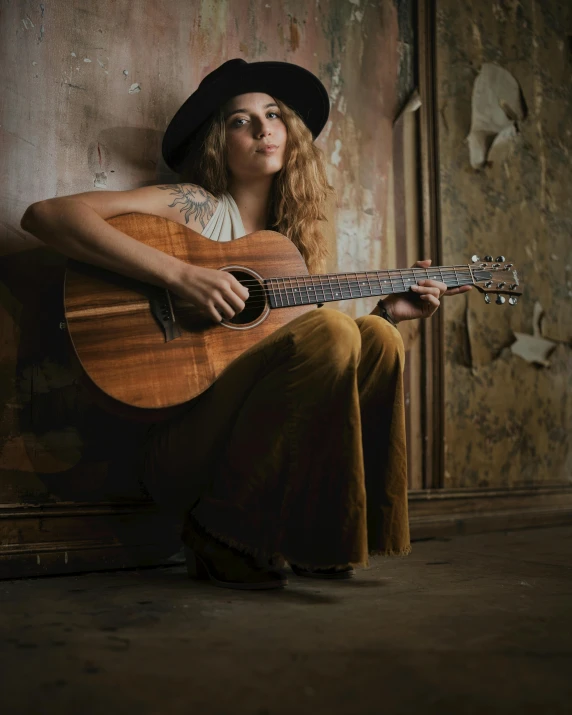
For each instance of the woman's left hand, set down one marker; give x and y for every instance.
(422, 300)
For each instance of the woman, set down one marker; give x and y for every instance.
(297, 452)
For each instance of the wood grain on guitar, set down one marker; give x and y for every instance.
(147, 349)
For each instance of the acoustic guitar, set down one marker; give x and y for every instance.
(146, 348)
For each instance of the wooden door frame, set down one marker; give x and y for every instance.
(433, 387)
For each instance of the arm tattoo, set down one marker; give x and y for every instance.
(193, 200)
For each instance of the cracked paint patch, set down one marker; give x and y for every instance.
(100, 181)
(497, 108)
(534, 348)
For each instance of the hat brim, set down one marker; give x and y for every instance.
(292, 84)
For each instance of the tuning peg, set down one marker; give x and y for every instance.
(513, 300)
(500, 300)
(488, 259)
(475, 258)
(500, 259)
(487, 298)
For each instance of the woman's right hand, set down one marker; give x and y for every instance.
(216, 293)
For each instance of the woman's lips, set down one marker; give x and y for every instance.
(269, 149)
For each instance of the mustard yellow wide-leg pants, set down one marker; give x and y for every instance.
(299, 447)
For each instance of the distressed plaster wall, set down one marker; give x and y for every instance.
(508, 422)
(88, 90)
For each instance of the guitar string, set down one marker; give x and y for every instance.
(272, 284)
(318, 281)
(350, 288)
(286, 297)
(309, 283)
(315, 283)
(449, 271)
(288, 293)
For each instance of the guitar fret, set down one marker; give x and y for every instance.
(339, 286)
(276, 292)
(321, 285)
(310, 291)
(331, 288)
(369, 284)
(286, 296)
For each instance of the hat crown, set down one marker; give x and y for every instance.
(226, 68)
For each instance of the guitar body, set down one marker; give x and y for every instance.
(137, 361)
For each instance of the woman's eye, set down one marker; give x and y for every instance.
(241, 121)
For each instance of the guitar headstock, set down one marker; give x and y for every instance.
(495, 277)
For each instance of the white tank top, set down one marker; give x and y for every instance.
(225, 224)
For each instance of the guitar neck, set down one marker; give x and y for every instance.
(304, 290)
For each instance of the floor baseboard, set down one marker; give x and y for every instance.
(68, 538)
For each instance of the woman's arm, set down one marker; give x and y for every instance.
(76, 226)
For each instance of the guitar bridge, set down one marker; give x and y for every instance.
(162, 310)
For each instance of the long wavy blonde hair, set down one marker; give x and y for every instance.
(300, 189)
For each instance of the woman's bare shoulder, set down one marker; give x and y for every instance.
(191, 203)
(187, 204)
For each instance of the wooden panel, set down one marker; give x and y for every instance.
(69, 538)
(450, 512)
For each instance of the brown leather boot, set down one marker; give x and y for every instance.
(207, 557)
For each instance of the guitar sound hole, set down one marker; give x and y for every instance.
(256, 303)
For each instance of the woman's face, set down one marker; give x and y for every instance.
(255, 136)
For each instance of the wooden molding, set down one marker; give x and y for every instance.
(433, 387)
(445, 513)
(72, 538)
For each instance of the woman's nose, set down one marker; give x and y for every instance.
(262, 129)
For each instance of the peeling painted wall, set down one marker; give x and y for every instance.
(89, 89)
(508, 422)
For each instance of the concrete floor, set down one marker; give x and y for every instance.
(476, 624)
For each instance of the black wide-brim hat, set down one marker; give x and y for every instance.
(295, 86)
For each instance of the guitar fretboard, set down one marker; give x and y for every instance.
(304, 290)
